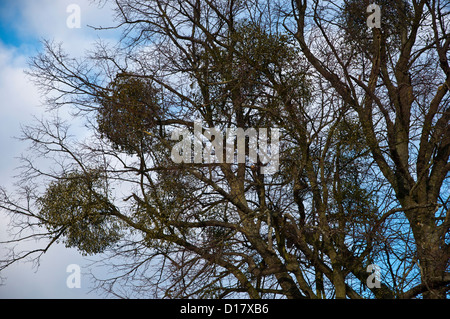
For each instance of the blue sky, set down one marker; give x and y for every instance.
(11, 32)
(23, 23)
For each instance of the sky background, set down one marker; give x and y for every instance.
(23, 23)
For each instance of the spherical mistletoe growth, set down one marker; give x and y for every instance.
(129, 107)
(77, 206)
(395, 21)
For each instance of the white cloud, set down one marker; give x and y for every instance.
(19, 99)
(49, 279)
(47, 19)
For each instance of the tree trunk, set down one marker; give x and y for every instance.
(431, 253)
